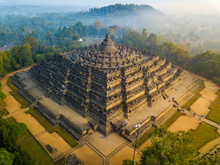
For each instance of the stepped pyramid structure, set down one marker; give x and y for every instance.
(100, 87)
(106, 82)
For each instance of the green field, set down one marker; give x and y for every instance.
(214, 114)
(172, 119)
(201, 87)
(23, 103)
(14, 93)
(218, 92)
(14, 88)
(143, 138)
(203, 134)
(9, 81)
(24, 137)
(64, 135)
(3, 112)
(40, 119)
(34, 149)
(2, 104)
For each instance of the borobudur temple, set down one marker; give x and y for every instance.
(107, 84)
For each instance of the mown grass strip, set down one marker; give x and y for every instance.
(201, 87)
(203, 134)
(144, 138)
(9, 81)
(172, 119)
(2, 104)
(195, 97)
(27, 135)
(3, 112)
(14, 88)
(214, 114)
(59, 162)
(23, 103)
(40, 119)
(64, 135)
(218, 92)
(35, 150)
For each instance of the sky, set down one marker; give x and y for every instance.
(166, 6)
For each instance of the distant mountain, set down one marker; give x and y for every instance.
(123, 15)
(119, 10)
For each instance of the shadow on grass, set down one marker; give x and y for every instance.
(40, 119)
(195, 97)
(50, 128)
(64, 135)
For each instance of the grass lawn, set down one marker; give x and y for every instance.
(217, 100)
(214, 114)
(2, 104)
(143, 138)
(203, 134)
(201, 87)
(195, 97)
(34, 149)
(27, 135)
(65, 136)
(11, 120)
(9, 81)
(218, 92)
(14, 93)
(59, 162)
(191, 101)
(172, 119)
(7, 121)
(39, 118)
(23, 103)
(3, 112)
(14, 88)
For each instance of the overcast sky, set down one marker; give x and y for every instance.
(167, 6)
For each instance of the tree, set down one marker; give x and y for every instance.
(112, 34)
(153, 41)
(6, 158)
(2, 96)
(169, 148)
(32, 42)
(98, 25)
(8, 135)
(133, 39)
(76, 37)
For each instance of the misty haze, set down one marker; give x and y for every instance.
(109, 82)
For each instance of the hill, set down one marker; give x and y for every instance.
(119, 10)
(123, 15)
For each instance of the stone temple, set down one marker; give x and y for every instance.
(102, 86)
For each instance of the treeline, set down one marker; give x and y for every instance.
(10, 153)
(30, 52)
(118, 10)
(206, 64)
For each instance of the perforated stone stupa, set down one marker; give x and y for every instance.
(107, 83)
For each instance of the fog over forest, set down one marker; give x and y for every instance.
(196, 29)
(29, 34)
